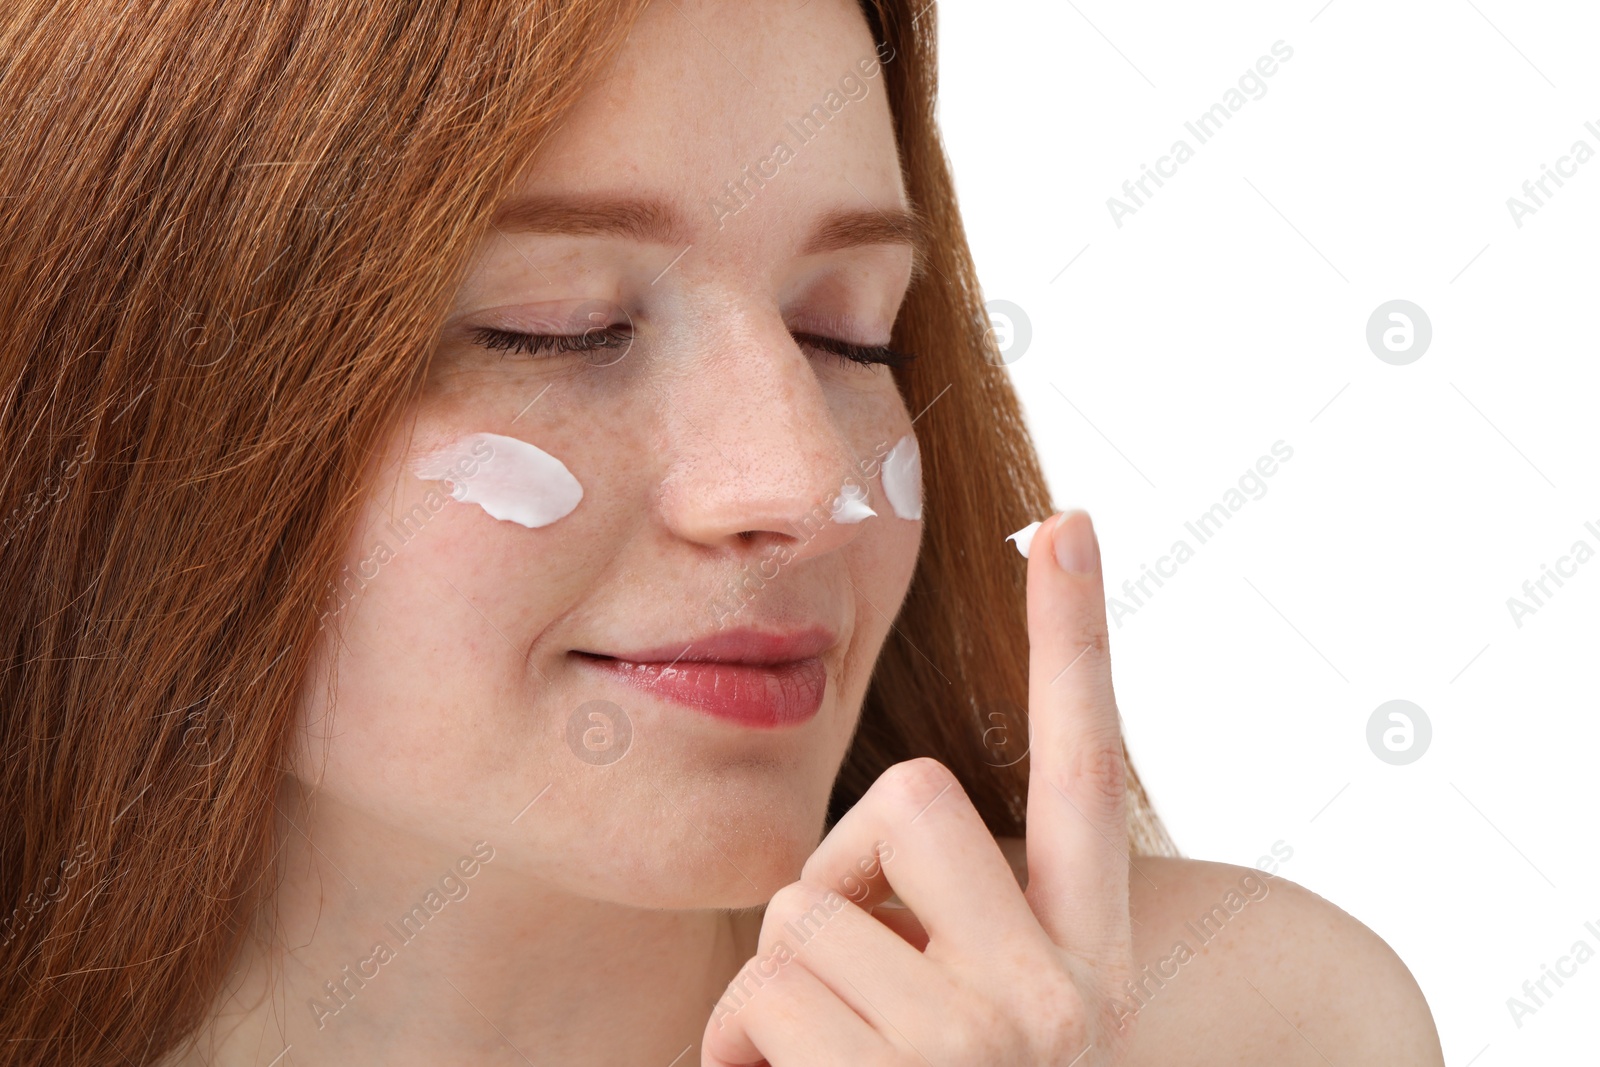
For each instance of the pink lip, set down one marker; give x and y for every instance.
(745, 676)
(742, 645)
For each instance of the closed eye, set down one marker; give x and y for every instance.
(591, 340)
(845, 350)
(601, 338)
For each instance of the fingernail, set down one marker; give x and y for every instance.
(1024, 537)
(1077, 550)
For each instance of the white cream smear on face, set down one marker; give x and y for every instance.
(517, 482)
(902, 478)
(851, 504)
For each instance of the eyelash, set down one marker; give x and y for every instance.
(617, 336)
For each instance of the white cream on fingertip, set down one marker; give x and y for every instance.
(902, 478)
(1024, 537)
(508, 478)
(851, 506)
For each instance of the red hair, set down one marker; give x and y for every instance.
(232, 232)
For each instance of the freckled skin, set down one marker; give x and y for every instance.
(714, 423)
(707, 450)
(597, 933)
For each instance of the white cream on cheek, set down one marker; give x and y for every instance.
(850, 505)
(508, 478)
(902, 478)
(902, 484)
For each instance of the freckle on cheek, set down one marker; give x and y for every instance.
(508, 478)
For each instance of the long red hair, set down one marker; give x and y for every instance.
(230, 234)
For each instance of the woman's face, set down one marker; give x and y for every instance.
(730, 185)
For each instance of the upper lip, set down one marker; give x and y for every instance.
(738, 645)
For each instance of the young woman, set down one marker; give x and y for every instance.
(508, 563)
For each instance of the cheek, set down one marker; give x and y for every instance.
(438, 604)
(478, 519)
(883, 559)
(881, 563)
(489, 520)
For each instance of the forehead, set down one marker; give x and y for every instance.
(721, 108)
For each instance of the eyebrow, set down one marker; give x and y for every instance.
(655, 221)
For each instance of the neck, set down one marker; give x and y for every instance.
(397, 955)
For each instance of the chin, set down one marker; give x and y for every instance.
(740, 863)
(704, 848)
(694, 875)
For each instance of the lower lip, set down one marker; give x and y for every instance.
(750, 694)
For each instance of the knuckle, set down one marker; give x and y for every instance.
(1063, 1018)
(992, 1028)
(1087, 622)
(1099, 773)
(976, 1033)
(965, 1037)
(1094, 632)
(798, 899)
(914, 784)
(799, 910)
(768, 991)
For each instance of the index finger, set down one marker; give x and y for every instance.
(1077, 839)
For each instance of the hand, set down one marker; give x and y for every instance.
(1006, 976)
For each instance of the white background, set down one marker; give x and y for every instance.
(1228, 313)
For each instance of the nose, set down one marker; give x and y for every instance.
(757, 458)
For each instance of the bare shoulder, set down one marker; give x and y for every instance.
(1235, 966)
